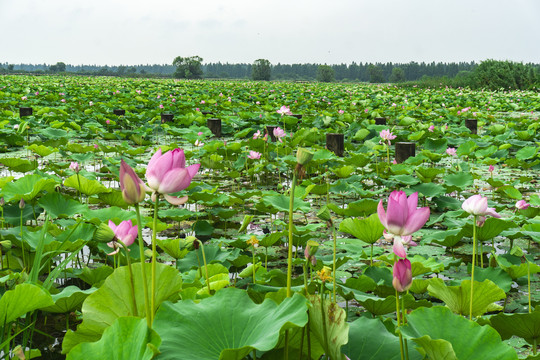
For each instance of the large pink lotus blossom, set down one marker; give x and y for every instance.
(167, 173)
(386, 135)
(254, 155)
(451, 151)
(126, 232)
(402, 275)
(75, 166)
(279, 133)
(477, 205)
(284, 110)
(133, 188)
(522, 205)
(257, 135)
(402, 218)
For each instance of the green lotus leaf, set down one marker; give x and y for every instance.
(370, 340)
(22, 299)
(455, 337)
(514, 267)
(27, 188)
(227, 326)
(69, 299)
(86, 186)
(58, 205)
(329, 326)
(457, 298)
(95, 276)
(113, 300)
(281, 203)
(127, 338)
(368, 230)
(19, 165)
(526, 326)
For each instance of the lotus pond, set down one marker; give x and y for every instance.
(263, 235)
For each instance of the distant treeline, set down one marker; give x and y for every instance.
(412, 71)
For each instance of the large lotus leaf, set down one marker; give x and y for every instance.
(226, 326)
(42, 150)
(27, 188)
(429, 189)
(22, 299)
(95, 276)
(381, 306)
(19, 165)
(457, 298)
(329, 326)
(69, 299)
(444, 335)
(370, 340)
(128, 338)
(491, 228)
(281, 203)
(368, 230)
(57, 205)
(85, 186)
(526, 326)
(101, 215)
(495, 274)
(460, 180)
(514, 267)
(113, 299)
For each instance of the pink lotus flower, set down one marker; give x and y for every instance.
(387, 136)
(491, 169)
(197, 109)
(279, 133)
(90, 103)
(133, 188)
(431, 128)
(402, 275)
(451, 151)
(199, 133)
(477, 205)
(24, 98)
(126, 232)
(257, 135)
(402, 217)
(75, 166)
(198, 143)
(254, 155)
(167, 173)
(284, 110)
(522, 205)
(108, 122)
(63, 100)
(341, 112)
(161, 106)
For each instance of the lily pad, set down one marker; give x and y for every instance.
(227, 326)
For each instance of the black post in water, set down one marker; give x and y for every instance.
(472, 124)
(404, 150)
(166, 118)
(270, 131)
(335, 143)
(215, 126)
(119, 112)
(25, 111)
(380, 121)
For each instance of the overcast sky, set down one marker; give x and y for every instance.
(129, 32)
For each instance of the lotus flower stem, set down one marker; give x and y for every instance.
(472, 267)
(143, 267)
(401, 349)
(135, 312)
(154, 255)
(334, 261)
(404, 321)
(529, 286)
(290, 253)
(22, 241)
(206, 267)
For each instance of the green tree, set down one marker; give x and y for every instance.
(10, 67)
(188, 67)
(325, 73)
(58, 67)
(495, 75)
(376, 74)
(398, 75)
(261, 70)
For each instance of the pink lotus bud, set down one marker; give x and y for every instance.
(75, 166)
(133, 188)
(402, 275)
(522, 205)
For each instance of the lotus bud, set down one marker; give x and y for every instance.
(133, 188)
(75, 166)
(324, 214)
(311, 248)
(190, 243)
(103, 233)
(22, 204)
(303, 156)
(2, 201)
